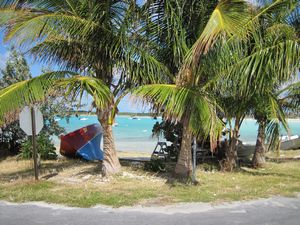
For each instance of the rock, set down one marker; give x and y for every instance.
(86, 177)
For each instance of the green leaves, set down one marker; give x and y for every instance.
(266, 63)
(77, 85)
(178, 102)
(23, 93)
(36, 89)
(229, 17)
(290, 97)
(80, 35)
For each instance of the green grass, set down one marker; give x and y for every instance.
(275, 179)
(74, 196)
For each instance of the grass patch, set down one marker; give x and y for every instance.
(284, 154)
(79, 195)
(135, 186)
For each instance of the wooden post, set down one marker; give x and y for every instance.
(33, 126)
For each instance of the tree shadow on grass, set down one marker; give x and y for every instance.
(45, 170)
(95, 169)
(155, 169)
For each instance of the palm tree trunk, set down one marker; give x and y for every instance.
(111, 164)
(258, 159)
(183, 167)
(230, 162)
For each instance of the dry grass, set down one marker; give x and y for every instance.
(122, 154)
(77, 183)
(11, 165)
(284, 154)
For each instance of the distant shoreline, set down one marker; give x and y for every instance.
(84, 113)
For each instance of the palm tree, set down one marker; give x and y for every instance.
(270, 114)
(188, 98)
(268, 111)
(89, 36)
(253, 69)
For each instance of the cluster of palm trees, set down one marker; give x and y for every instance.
(199, 61)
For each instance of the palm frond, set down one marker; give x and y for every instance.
(290, 97)
(26, 92)
(78, 85)
(273, 134)
(278, 61)
(177, 102)
(93, 35)
(229, 17)
(276, 118)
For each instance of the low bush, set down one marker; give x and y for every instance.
(155, 165)
(45, 148)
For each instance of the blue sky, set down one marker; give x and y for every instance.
(4, 53)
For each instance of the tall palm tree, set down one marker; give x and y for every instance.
(254, 68)
(95, 37)
(188, 98)
(275, 28)
(270, 114)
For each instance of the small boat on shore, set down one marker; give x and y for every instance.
(287, 143)
(84, 142)
(290, 143)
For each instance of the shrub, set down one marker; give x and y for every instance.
(156, 165)
(45, 148)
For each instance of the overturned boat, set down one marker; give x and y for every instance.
(84, 142)
(290, 143)
(287, 143)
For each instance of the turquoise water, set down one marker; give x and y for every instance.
(135, 134)
(249, 130)
(130, 134)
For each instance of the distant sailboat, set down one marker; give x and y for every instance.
(135, 117)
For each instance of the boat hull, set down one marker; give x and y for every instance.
(290, 144)
(84, 142)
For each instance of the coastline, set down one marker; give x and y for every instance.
(151, 115)
(136, 134)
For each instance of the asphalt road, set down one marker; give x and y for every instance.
(281, 211)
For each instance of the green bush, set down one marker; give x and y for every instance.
(45, 148)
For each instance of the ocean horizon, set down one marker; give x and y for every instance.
(136, 134)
